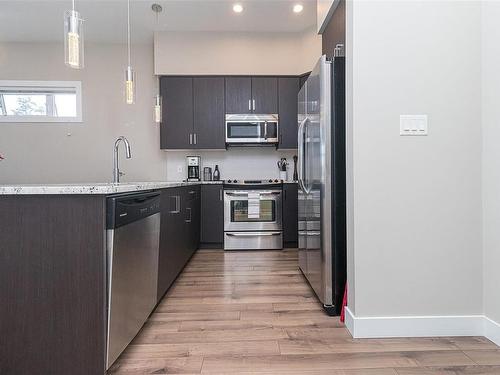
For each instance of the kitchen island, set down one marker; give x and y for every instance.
(53, 271)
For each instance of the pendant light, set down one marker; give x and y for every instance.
(129, 72)
(157, 9)
(157, 109)
(73, 39)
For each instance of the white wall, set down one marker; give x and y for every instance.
(236, 52)
(491, 157)
(239, 163)
(416, 244)
(44, 153)
(349, 50)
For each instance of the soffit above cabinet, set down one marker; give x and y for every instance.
(235, 53)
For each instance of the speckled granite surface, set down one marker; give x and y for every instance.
(97, 188)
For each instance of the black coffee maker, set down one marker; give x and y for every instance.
(193, 168)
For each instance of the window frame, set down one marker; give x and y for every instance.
(38, 85)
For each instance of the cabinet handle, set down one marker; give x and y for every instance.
(177, 209)
(253, 101)
(249, 104)
(195, 138)
(190, 215)
(190, 138)
(221, 195)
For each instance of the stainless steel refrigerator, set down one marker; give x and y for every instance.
(321, 174)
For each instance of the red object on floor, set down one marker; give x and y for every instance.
(344, 304)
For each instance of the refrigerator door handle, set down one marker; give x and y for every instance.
(302, 155)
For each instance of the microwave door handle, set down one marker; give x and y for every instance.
(265, 130)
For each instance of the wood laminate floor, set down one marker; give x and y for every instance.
(254, 313)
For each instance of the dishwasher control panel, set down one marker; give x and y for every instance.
(126, 208)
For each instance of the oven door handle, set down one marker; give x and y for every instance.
(236, 194)
(253, 234)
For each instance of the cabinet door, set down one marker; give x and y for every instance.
(212, 214)
(238, 95)
(192, 220)
(209, 112)
(265, 95)
(170, 260)
(290, 214)
(177, 117)
(288, 89)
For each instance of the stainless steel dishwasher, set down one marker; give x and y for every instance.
(133, 235)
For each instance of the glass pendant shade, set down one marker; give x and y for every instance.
(129, 86)
(73, 39)
(157, 109)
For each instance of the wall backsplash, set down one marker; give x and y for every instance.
(239, 163)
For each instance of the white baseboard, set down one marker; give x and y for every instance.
(422, 326)
(492, 330)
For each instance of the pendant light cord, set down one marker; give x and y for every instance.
(128, 30)
(73, 5)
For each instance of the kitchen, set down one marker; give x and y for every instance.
(232, 276)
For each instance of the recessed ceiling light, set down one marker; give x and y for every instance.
(238, 8)
(297, 8)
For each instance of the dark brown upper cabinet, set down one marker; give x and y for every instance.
(265, 95)
(288, 90)
(238, 95)
(176, 131)
(251, 95)
(208, 129)
(193, 113)
(194, 108)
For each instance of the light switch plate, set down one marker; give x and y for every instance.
(413, 125)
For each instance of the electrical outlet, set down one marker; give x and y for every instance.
(413, 125)
(179, 169)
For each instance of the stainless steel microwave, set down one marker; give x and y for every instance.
(251, 129)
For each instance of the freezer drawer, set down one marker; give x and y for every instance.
(253, 240)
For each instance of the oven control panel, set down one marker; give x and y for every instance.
(254, 182)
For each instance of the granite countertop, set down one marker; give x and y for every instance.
(97, 188)
(93, 188)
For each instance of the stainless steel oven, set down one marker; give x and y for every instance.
(253, 217)
(248, 129)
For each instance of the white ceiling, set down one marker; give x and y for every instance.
(105, 20)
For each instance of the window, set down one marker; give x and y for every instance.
(40, 101)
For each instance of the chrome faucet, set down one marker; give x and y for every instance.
(116, 169)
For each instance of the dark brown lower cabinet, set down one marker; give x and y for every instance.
(179, 233)
(290, 215)
(192, 197)
(53, 285)
(212, 215)
(171, 238)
